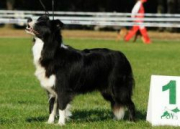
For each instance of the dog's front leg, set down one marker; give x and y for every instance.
(53, 109)
(64, 99)
(62, 117)
(53, 106)
(62, 104)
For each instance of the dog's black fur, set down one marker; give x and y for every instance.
(82, 71)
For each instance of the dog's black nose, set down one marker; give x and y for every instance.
(29, 20)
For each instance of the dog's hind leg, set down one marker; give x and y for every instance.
(118, 110)
(122, 87)
(131, 108)
(122, 100)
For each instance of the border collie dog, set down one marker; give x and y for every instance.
(65, 72)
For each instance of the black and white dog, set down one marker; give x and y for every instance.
(65, 72)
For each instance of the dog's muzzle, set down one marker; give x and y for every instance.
(29, 28)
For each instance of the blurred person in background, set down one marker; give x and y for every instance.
(10, 4)
(138, 12)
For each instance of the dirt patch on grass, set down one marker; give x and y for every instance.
(8, 32)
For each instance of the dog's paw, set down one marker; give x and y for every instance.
(68, 113)
(68, 118)
(61, 123)
(50, 120)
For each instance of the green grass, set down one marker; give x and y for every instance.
(24, 104)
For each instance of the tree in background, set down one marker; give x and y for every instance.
(10, 4)
(160, 10)
(171, 8)
(160, 7)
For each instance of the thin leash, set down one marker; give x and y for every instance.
(46, 12)
(53, 8)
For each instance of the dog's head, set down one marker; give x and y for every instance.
(43, 27)
(49, 32)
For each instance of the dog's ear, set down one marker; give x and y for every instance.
(52, 42)
(43, 18)
(58, 24)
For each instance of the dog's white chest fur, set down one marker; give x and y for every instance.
(40, 72)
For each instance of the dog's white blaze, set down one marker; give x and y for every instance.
(32, 23)
(40, 71)
(119, 113)
(62, 117)
(37, 49)
(45, 82)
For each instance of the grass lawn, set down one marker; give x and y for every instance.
(24, 104)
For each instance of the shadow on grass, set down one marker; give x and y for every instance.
(8, 121)
(140, 115)
(36, 119)
(101, 115)
(91, 115)
(94, 115)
